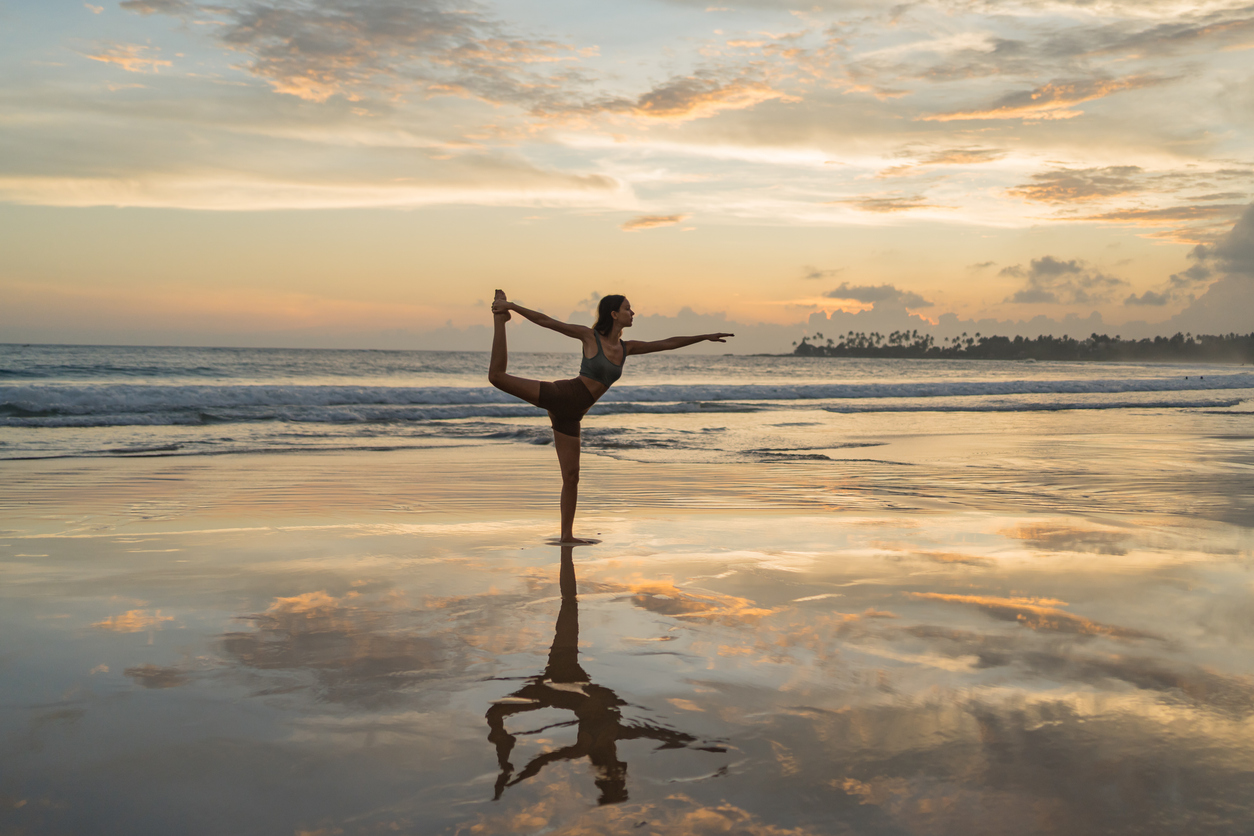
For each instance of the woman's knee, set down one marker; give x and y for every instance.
(570, 475)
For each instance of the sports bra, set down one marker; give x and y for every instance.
(600, 368)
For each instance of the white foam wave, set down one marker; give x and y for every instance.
(134, 399)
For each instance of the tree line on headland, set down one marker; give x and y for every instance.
(1233, 348)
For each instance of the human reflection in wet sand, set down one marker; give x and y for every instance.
(565, 685)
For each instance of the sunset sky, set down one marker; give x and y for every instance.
(363, 173)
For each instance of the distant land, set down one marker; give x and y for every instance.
(1222, 348)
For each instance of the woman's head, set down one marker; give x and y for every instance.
(609, 309)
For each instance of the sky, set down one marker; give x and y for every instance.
(364, 173)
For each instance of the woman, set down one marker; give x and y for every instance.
(604, 353)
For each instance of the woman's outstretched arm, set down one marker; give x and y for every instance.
(579, 332)
(670, 343)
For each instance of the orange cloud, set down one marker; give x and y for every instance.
(130, 57)
(1077, 185)
(884, 205)
(682, 99)
(1051, 101)
(651, 222)
(1170, 215)
(952, 156)
(1188, 224)
(134, 621)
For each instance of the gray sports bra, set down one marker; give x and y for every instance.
(599, 367)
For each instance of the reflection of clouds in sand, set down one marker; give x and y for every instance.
(156, 676)
(1176, 681)
(345, 641)
(370, 646)
(563, 813)
(1071, 538)
(912, 678)
(1079, 764)
(1036, 613)
(664, 598)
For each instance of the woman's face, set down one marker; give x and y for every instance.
(624, 315)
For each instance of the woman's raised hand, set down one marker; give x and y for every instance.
(718, 338)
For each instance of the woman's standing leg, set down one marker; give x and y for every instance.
(568, 458)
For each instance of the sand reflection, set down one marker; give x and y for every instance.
(598, 714)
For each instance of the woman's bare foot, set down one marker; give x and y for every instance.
(498, 306)
(574, 541)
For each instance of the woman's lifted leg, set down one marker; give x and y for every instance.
(519, 387)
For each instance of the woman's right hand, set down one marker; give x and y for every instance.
(501, 305)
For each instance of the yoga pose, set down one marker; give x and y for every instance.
(604, 353)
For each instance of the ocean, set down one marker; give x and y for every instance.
(879, 597)
(111, 401)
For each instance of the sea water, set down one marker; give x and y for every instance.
(58, 401)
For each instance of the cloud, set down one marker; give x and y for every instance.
(1054, 100)
(1149, 297)
(809, 272)
(1186, 224)
(947, 157)
(1070, 185)
(178, 176)
(1054, 281)
(651, 222)
(133, 621)
(1235, 252)
(1188, 221)
(1168, 215)
(150, 7)
(1066, 45)
(325, 48)
(687, 97)
(878, 293)
(130, 57)
(1221, 25)
(1228, 303)
(885, 205)
(589, 305)
(1179, 285)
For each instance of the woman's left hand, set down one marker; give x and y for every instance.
(718, 338)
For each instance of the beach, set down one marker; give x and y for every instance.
(885, 621)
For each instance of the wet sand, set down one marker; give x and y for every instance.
(959, 635)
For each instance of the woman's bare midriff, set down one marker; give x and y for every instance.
(594, 386)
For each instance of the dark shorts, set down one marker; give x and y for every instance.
(566, 401)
